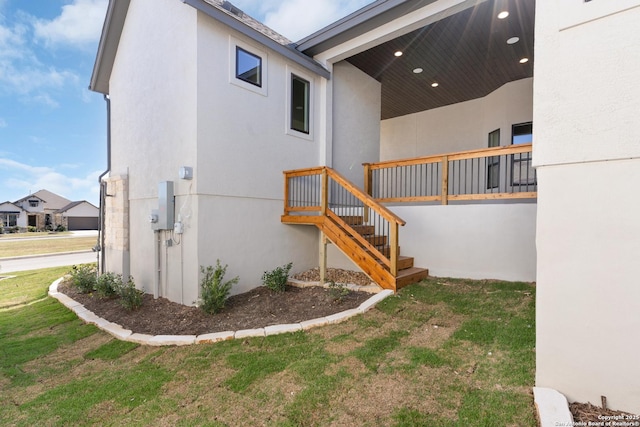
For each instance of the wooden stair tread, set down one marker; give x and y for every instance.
(410, 275)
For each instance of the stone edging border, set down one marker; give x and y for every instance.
(553, 408)
(162, 340)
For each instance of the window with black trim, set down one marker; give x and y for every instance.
(522, 173)
(493, 163)
(300, 89)
(248, 67)
(9, 219)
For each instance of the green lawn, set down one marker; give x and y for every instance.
(441, 353)
(45, 246)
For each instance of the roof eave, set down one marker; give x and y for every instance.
(108, 46)
(289, 52)
(357, 23)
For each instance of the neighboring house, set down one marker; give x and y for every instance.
(12, 215)
(80, 215)
(47, 211)
(208, 107)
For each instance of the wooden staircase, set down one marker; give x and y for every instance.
(361, 228)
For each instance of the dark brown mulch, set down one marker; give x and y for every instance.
(257, 308)
(586, 412)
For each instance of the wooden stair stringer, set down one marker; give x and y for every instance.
(367, 263)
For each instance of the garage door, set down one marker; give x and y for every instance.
(83, 223)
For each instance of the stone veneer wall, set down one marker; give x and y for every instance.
(116, 227)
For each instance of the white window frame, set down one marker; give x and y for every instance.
(290, 72)
(262, 54)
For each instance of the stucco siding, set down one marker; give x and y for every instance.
(153, 95)
(587, 152)
(247, 235)
(243, 144)
(356, 121)
(458, 127)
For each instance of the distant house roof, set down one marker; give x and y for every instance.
(8, 207)
(30, 197)
(73, 205)
(53, 201)
(220, 10)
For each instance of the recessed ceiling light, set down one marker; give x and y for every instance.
(524, 60)
(418, 70)
(398, 53)
(434, 84)
(513, 40)
(503, 14)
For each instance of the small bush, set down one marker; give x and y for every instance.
(130, 296)
(107, 285)
(338, 291)
(61, 228)
(276, 280)
(215, 290)
(31, 229)
(83, 277)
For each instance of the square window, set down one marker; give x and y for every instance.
(300, 104)
(248, 67)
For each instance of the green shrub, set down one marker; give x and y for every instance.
(83, 277)
(107, 285)
(276, 280)
(61, 228)
(338, 291)
(31, 229)
(215, 290)
(130, 296)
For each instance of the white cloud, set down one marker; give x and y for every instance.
(296, 19)
(79, 24)
(20, 179)
(22, 73)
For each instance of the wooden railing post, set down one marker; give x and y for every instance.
(286, 194)
(445, 180)
(367, 188)
(394, 245)
(324, 202)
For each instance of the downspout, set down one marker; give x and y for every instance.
(103, 190)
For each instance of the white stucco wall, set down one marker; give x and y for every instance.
(356, 121)
(174, 103)
(153, 124)
(483, 241)
(587, 152)
(458, 127)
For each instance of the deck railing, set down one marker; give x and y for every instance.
(492, 173)
(317, 193)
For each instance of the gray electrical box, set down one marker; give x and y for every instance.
(166, 207)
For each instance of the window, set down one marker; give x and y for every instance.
(493, 163)
(33, 203)
(300, 89)
(9, 219)
(521, 171)
(248, 67)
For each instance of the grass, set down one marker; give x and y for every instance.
(440, 353)
(45, 246)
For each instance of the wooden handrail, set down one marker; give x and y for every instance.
(382, 268)
(367, 199)
(438, 167)
(458, 155)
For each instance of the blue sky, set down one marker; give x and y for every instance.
(52, 128)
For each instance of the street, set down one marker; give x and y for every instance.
(45, 261)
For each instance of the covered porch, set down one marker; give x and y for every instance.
(432, 118)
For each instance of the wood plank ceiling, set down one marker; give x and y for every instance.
(466, 54)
